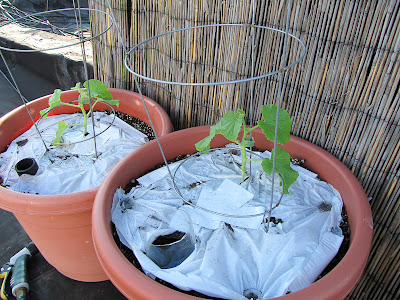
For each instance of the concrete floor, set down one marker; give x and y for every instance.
(45, 281)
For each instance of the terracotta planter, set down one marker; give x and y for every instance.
(135, 285)
(60, 225)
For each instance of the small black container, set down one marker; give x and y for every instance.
(26, 166)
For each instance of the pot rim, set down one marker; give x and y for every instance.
(341, 279)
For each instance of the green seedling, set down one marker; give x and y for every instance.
(98, 93)
(232, 123)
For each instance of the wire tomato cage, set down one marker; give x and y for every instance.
(41, 21)
(230, 151)
(96, 134)
(136, 51)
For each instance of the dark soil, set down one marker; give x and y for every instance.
(22, 143)
(343, 248)
(132, 258)
(275, 220)
(169, 238)
(136, 123)
(128, 253)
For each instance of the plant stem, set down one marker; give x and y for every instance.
(255, 159)
(246, 132)
(93, 105)
(244, 161)
(70, 104)
(84, 119)
(252, 128)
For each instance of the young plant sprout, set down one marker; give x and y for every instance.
(232, 123)
(98, 92)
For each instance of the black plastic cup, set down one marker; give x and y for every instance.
(26, 166)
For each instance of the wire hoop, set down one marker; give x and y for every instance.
(177, 190)
(83, 140)
(128, 64)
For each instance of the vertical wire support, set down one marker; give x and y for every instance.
(125, 48)
(78, 19)
(24, 101)
(253, 23)
(278, 104)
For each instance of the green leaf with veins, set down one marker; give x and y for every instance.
(204, 144)
(229, 126)
(282, 166)
(60, 130)
(268, 124)
(54, 101)
(97, 90)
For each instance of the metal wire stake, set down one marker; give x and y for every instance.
(140, 91)
(80, 30)
(253, 23)
(278, 104)
(24, 101)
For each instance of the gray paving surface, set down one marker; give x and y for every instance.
(31, 85)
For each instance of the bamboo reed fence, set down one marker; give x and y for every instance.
(343, 96)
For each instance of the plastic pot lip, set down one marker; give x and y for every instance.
(335, 285)
(80, 201)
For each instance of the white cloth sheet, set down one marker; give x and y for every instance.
(71, 167)
(233, 255)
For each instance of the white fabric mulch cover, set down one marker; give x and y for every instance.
(71, 167)
(231, 260)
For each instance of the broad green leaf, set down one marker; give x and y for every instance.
(54, 101)
(231, 124)
(98, 89)
(268, 124)
(204, 144)
(60, 130)
(282, 166)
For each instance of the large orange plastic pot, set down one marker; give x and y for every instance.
(60, 225)
(135, 285)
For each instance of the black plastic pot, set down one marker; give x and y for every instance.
(26, 166)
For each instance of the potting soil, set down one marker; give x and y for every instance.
(71, 166)
(233, 255)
